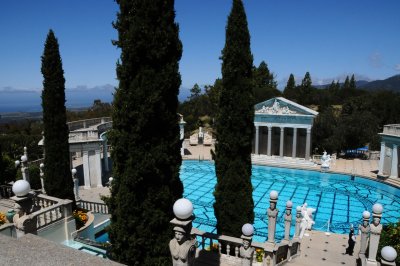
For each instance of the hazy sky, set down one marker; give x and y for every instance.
(328, 38)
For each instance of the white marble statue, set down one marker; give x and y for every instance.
(182, 248)
(325, 160)
(307, 221)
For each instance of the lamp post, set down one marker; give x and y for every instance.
(76, 183)
(24, 165)
(41, 167)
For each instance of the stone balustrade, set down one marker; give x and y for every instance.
(95, 207)
(87, 123)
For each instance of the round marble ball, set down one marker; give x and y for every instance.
(247, 229)
(21, 188)
(183, 208)
(388, 253)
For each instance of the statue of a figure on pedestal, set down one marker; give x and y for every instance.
(182, 248)
(246, 253)
(325, 160)
(307, 221)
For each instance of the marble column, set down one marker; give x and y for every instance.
(257, 140)
(395, 161)
(269, 140)
(382, 158)
(308, 144)
(86, 172)
(98, 168)
(281, 141)
(294, 142)
(105, 156)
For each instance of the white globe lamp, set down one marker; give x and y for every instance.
(183, 208)
(273, 194)
(289, 204)
(366, 214)
(247, 229)
(388, 253)
(377, 208)
(21, 188)
(41, 165)
(24, 158)
(73, 171)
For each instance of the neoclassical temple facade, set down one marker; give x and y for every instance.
(389, 156)
(283, 128)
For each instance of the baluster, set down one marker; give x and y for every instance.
(202, 242)
(38, 223)
(236, 251)
(228, 250)
(219, 248)
(97, 207)
(51, 215)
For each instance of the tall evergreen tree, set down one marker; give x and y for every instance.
(352, 84)
(195, 92)
(58, 181)
(145, 135)
(290, 90)
(346, 84)
(234, 204)
(264, 84)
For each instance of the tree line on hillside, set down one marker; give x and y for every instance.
(349, 117)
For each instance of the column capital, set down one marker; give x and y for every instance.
(308, 130)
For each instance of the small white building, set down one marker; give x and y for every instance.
(389, 156)
(283, 128)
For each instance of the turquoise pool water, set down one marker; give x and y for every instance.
(338, 198)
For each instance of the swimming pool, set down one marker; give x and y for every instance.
(341, 199)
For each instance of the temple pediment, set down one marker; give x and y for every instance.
(282, 106)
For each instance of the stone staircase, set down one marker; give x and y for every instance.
(283, 161)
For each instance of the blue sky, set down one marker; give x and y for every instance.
(330, 39)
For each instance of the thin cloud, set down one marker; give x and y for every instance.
(375, 59)
(397, 67)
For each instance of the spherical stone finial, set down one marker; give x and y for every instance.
(289, 204)
(21, 188)
(41, 165)
(273, 195)
(377, 208)
(73, 171)
(110, 179)
(366, 214)
(247, 229)
(298, 208)
(183, 208)
(25, 148)
(388, 253)
(24, 158)
(17, 163)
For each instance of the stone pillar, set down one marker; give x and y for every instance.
(395, 162)
(288, 220)
(183, 246)
(281, 142)
(308, 144)
(269, 140)
(375, 234)
(364, 229)
(298, 221)
(382, 158)
(272, 213)
(257, 140)
(86, 171)
(98, 168)
(294, 142)
(76, 184)
(105, 156)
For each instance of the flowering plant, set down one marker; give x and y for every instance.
(3, 218)
(80, 217)
(259, 254)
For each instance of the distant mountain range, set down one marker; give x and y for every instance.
(390, 84)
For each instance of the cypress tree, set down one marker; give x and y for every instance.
(145, 134)
(352, 84)
(234, 204)
(264, 84)
(58, 181)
